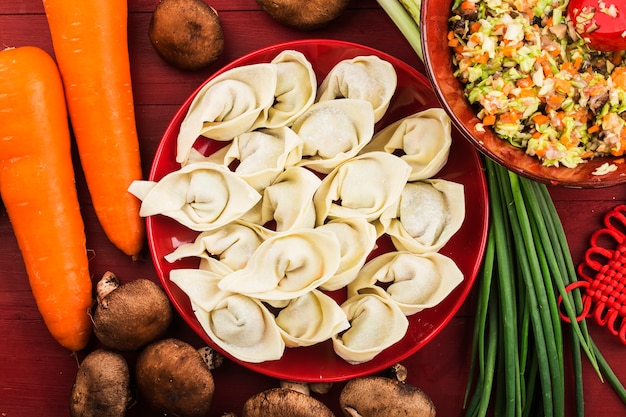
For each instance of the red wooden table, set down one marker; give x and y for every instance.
(36, 374)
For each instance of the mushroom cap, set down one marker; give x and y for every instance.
(284, 402)
(132, 315)
(186, 33)
(377, 396)
(304, 15)
(102, 387)
(174, 379)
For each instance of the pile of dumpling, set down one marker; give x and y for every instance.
(291, 207)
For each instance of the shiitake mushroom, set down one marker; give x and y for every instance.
(378, 396)
(186, 33)
(102, 386)
(284, 402)
(304, 14)
(173, 378)
(129, 316)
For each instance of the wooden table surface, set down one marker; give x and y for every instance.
(36, 374)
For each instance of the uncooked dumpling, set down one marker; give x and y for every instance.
(357, 238)
(244, 328)
(376, 323)
(413, 281)
(232, 245)
(240, 325)
(366, 78)
(296, 89)
(423, 140)
(289, 200)
(428, 214)
(311, 318)
(365, 186)
(333, 132)
(259, 156)
(227, 106)
(202, 196)
(287, 265)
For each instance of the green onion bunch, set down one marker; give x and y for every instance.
(518, 347)
(518, 350)
(518, 355)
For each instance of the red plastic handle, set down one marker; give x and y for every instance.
(601, 24)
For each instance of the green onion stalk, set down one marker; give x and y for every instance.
(518, 362)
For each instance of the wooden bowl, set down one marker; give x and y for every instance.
(438, 64)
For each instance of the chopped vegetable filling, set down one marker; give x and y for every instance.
(536, 82)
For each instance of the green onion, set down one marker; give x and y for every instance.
(485, 337)
(609, 374)
(508, 305)
(407, 24)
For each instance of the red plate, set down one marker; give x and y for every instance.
(319, 362)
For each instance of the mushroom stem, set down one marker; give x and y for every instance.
(320, 387)
(107, 283)
(399, 372)
(302, 387)
(211, 357)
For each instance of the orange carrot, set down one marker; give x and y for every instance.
(510, 117)
(619, 77)
(593, 129)
(540, 119)
(489, 120)
(561, 86)
(39, 193)
(468, 5)
(482, 58)
(524, 82)
(509, 51)
(91, 48)
(555, 101)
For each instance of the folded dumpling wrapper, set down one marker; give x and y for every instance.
(334, 131)
(365, 186)
(289, 200)
(376, 323)
(202, 196)
(424, 140)
(200, 286)
(259, 156)
(364, 77)
(227, 106)
(357, 238)
(296, 89)
(287, 265)
(244, 328)
(232, 245)
(413, 281)
(310, 319)
(428, 214)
